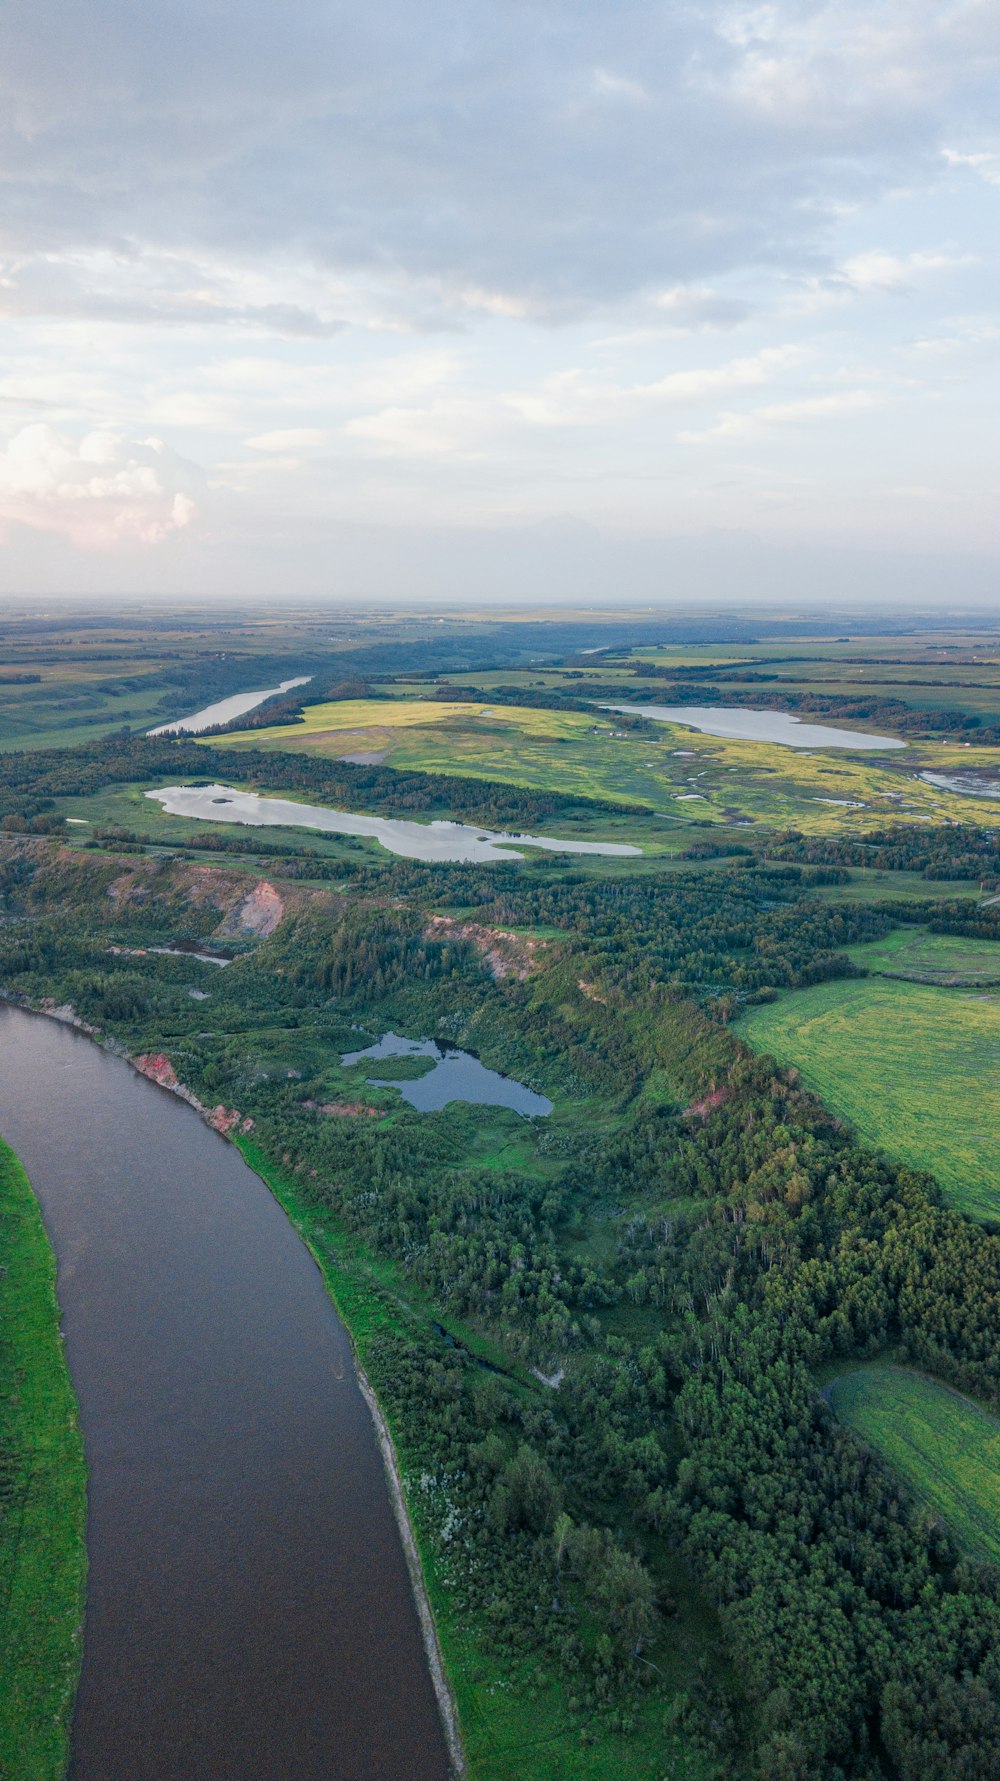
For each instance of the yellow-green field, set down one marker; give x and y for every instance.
(912, 1066)
(668, 767)
(946, 1449)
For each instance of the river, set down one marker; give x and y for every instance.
(249, 1614)
(224, 711)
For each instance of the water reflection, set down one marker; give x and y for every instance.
(456, 1076)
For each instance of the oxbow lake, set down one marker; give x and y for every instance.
(249, 1611)
(741, 724)
(225, 710)
(456, 1076)
(413, 840)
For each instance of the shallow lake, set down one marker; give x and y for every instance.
(967, 785)
(249, 1612)
(742, 724)
(456, 1076)
(413, 840)
(225, 710)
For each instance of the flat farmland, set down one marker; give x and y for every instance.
(912, 1066)
(945, 1448)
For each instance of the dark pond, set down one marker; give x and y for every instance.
(456, 1076)
(249, 1616)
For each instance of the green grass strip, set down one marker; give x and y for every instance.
(42, 1498)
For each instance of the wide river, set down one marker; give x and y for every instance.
(249, 1614)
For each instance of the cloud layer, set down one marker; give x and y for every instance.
(716, 265)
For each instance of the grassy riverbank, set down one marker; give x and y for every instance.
(42, 1498)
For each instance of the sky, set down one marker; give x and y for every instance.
(514, 301)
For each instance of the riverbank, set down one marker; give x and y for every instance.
(42, 1498)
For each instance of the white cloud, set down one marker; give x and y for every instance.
(985, 162)
(574, 399)
(290, 439)
(101, 492)
(782, 414)
(880, 271)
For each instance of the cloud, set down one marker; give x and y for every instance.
(573, 399)
(879, 271)
(552, 160)
(290, 439)
(985, 162)
(101, 492)
(782, 414)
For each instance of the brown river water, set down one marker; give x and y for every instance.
(249, 1615)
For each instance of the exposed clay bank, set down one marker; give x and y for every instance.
(249, 1610)
(413, 840)
(741, 724)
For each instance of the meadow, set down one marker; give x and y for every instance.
(681, 773)
(923, 957)
(911, 1065)
(943, 1446)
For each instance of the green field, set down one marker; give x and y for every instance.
(923, 957)
(911, 1065)
(42, 1498)
(943, 1446)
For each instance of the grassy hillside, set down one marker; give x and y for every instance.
(42, 1498)
(943, 1446)
(911, 1065)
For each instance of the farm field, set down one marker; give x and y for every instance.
(945, 1448)
(912, 1066)
(918, 954)
(659, 766)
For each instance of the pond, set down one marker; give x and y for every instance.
(456, 1076)
(249, 1611)
(413, 840)
(741, 724)
(225, 710)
